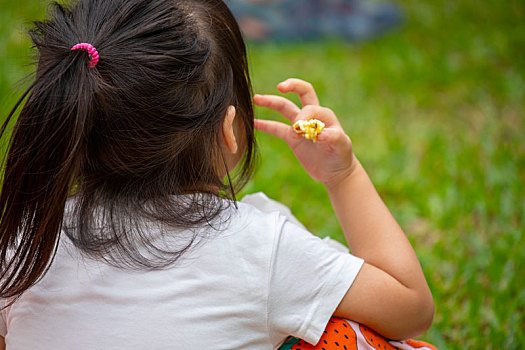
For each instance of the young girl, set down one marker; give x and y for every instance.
(117, 229)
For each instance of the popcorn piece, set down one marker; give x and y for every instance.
(309, 128)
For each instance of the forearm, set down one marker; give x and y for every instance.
(371, 231)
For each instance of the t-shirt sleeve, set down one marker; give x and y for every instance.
(3, 318)
(307, 281)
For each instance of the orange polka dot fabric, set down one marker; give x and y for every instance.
(343, 334)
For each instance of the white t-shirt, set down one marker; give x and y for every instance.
(248, 287)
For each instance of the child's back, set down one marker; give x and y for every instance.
(247, 287)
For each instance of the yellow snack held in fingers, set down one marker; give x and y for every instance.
(309, 128)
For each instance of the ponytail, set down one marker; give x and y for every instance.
(41, 166)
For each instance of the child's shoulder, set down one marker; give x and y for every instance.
(256, 220)
(262, 205)
(250, 219)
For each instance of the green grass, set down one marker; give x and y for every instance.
(436, 112)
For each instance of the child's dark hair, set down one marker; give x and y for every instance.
(136, 138)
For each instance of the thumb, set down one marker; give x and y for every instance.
(335, 137)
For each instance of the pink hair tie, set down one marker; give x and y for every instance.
(91, 50)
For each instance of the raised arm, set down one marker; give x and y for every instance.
(390, 294)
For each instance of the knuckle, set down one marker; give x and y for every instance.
(328, 111)
(278, 104)
(309, 109)
(282, 102)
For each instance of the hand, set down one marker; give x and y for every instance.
(330, 159)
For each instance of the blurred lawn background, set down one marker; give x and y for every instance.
(436, 112)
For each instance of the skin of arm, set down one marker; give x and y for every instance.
(390, 293)
(2, 343)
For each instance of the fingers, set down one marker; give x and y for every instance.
(335, 137)
(280, 104)
(332, 141)
(326, 115)
(289, 110)
(302, 88)
(282, 131)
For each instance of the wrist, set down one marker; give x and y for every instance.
(337, 181)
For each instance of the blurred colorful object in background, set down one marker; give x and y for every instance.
(304, 20)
